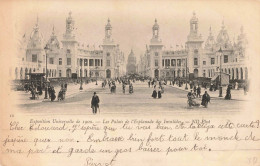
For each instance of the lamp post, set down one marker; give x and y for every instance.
(220, 67)
(186, 87)
(46, 48)
(81, 88)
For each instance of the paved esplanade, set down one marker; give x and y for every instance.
(173, 101)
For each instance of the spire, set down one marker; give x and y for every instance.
(210, 33)
(70, 13)
(53, 30)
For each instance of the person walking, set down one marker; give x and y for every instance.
(198, 91)
(53, 96)
(95, 103)
(123, 86)
(195, 90)
(205, 99)
(159, 93)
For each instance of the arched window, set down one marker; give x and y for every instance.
(241, 73)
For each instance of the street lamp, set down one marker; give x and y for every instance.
(186, 87)
(46, 48)
(220, 67)
(81, 88)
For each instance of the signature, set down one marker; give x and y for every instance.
(90, 162)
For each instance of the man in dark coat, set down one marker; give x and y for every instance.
(95, 103)
(198, 91)
(205, 99)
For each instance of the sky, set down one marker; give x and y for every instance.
(132, 21)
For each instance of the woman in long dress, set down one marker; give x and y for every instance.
(159, 93)
(154, 95)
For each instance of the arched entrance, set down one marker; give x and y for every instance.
(68, 73)
(21, 74)
(196, 73)
(156, 73)
(108, 73)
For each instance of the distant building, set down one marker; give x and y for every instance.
(131, 64)
(68, 56)
(194, 58)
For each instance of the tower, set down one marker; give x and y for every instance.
(109, 52)
(194, 46)
(69, 58)
(155, 52)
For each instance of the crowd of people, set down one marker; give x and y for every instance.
(194, 95)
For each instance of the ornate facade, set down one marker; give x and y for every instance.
(198, 59)
(68, 56)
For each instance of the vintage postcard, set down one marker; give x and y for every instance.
(129, 83)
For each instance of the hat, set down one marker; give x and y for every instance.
(95, 93)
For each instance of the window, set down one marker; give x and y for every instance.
(204, 62)
(60, 72)
(196, 51)
(91, 62)
(51, 61)
(195, 61)
(156, 62)
(108, 62)
(68, 51)
(163, 62)
(212, 61)
(178, 62)
(34, 57)
(85, 62)
(68, 61)
(225, 58)
(96, 62)
(173, 62)
(108, 54)
(60, 61)
(156, 54)
(167, 62)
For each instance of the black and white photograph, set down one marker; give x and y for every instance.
(130, 83)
